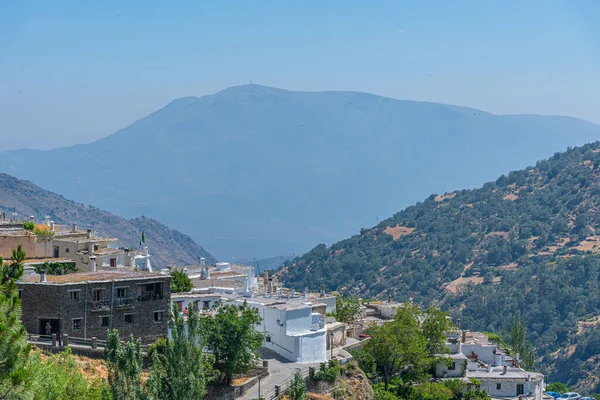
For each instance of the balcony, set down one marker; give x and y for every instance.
(150, 297)
(100, 305)
(124, 302)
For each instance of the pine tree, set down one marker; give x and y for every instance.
(14, 349)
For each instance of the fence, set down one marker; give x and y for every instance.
(49, 340)
(279, 390)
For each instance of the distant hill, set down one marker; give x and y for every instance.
(254, 171)
(271, 263)
(528, 244)
(166, 245)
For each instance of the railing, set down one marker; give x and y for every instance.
(150, 297)
(277, 391)
(100, 305)
(47, 339)
(124, 302)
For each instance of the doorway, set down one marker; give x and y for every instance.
(54, 324)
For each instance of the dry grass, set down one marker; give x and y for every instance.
(445, 196)
(455, 285)
(398, 230)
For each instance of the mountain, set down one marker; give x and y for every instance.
(166, 245)
(254, 171)
(270, 263)
(528, 244)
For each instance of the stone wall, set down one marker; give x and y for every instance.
(9, 242)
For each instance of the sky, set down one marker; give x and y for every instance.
(74, 71)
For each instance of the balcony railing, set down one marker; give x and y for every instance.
(150, 297)
(100, 305)
(124, 302)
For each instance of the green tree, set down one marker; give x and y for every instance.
(346, 309)
(431, 391)
(181, 353)
(180, 282)
(435, 325)
(124, 364)
(557, 387)
(59, 378)
(230, 335)
(297, 389)
(397, 347)
(14, 350)
(519, 344)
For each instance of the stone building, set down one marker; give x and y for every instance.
(87, 304)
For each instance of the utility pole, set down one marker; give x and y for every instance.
(259, 385)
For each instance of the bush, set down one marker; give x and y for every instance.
(328, 373)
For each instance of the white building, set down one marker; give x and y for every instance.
(294, 325)
(472, 356)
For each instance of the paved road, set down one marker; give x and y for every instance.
(280, 371)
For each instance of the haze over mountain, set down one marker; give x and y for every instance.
(166, 245)
(254, 171)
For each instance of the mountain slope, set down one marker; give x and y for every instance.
(258, 172)
(526, 244)
(166, 245)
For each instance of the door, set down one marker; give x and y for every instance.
(54, 326)
(55, 252)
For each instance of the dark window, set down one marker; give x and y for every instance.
(20, 293)
(498, 386)
(129, 318)
(122, 292)
(104, 321)
(113, 262)
(74, 295)
(55, 252)
(77, 324)
(268, 339)
(452, 367)
(97, 294)
(158, 316)
(205, 305)
(520, 389)
(66, 249)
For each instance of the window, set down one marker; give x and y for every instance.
(206, 304)
(97, 294)
(268, 339)
(66, 249)
(77, 324)
(113, 262)
(158, 316)
(74, 295)
(498, 386)
(20, 293)
(122, 292)
(452, 367)
(105, 321)
(179, 305)
(55, 252)
(520, 389)
(129, 318)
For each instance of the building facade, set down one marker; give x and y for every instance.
(87, 305)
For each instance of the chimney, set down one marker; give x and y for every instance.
(202, 262)
(266, 279)
(464, 337)
(281, 292)
(74, 227)
(207, 273)
(458, 323)
(246, 285)
(505, 370)
(91, 247)
(322, 290)
(92, 263)
(293, 293)
(51, 226)
(305, 294)
(32, 218)
(389, 298)
(47, 220)
(146, 251)
(89, 233)
(42, 275)
(14, 216)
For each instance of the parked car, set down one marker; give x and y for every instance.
(570, 396)
(587, 398)
(553, 394)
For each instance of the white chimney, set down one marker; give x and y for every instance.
(51, 226)
(246, 285)
(92, 263)
(322, 290)
(42, 275)
(91, 247)
(305, 293)
(293, 293)
(32, 218)
(207, 273)
(146, 251)
(89, 233)
(47, 220)
(505, 370)
(14, 216)
(74, 227)
(202, 262)
(185, 271)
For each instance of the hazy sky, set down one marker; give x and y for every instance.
(72, 72)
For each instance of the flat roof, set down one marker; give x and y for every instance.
(98, 276)
(498, 373)
(85, 239)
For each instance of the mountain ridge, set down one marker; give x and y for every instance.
(166, 245)
(526, 244)
(256, 172)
